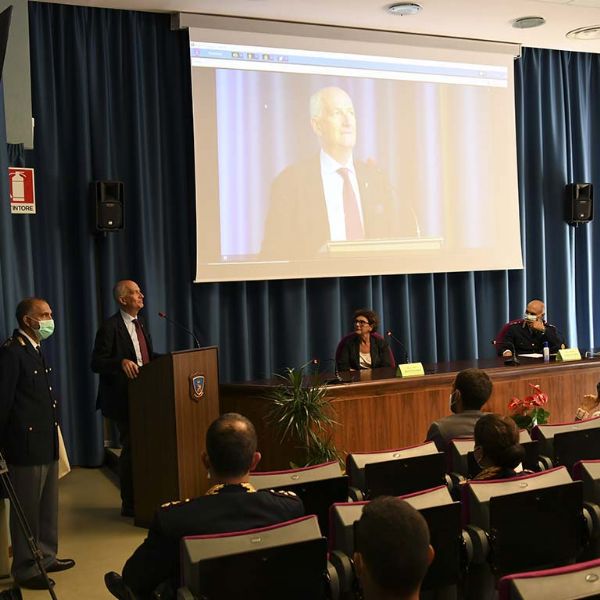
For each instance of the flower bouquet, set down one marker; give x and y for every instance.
(530, 411)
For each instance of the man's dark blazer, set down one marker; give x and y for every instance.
(112, 345)
(525, 339)
(453, 426)
(298, 209)
(232, 508)
(28, 412)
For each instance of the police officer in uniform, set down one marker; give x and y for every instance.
(232, 504)
(29, 441)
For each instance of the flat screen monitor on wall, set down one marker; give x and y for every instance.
(320, 156)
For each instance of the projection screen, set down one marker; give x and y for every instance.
(319, 156)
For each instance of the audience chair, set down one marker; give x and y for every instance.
(318, 486)
(581, 580)
(288, 560)
(565, 443)
(507, 532)
(356, 461)
(443, 518)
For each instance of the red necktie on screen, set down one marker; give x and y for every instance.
(354, 228)
(142, 341)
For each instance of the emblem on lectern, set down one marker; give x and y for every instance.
(196, 386)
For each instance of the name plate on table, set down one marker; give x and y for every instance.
(410, 370)
(566, 354)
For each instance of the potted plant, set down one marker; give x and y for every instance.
(303, 416)
(530, 411)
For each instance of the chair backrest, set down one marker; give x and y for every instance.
(442, 516)
(458, 452)
(349, 336)
(581, 580)
(536, 529)
(318, 487)
(286, 560)
(588, 471)
(545, 433)
(356, 461)
(476, 495)
(405, 475)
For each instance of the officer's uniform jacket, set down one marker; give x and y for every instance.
(28, 409)
(224, 509)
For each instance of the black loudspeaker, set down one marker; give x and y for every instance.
(108, 201)
(579, 203)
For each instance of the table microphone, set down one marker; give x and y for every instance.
(402, 346)
(511, 360)
(163, 315)
(336, 375)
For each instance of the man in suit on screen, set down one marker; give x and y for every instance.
(123, 345)
(332, 196)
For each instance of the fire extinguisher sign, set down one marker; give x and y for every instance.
(22, 191)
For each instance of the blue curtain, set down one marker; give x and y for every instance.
(111, 100)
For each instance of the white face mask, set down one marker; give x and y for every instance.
(529, 317)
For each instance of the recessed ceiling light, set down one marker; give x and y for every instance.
(591, 32)
(528, 22)
(404, 8)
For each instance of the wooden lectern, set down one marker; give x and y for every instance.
(171, 404)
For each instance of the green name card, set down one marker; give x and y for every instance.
(565, 354)
(410, 370)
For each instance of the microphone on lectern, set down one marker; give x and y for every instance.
(163, 315)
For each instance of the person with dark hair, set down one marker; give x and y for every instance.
(364, 348)
(470, 391)
(29, 442)
(392, 550)
(497, 448)
(231, 504)
(122, 346)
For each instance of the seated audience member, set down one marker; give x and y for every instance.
(529, 334)
(393, 551)
(364, 349)
(470, 391)
(231, 504)
(590, 406)
(497, 448)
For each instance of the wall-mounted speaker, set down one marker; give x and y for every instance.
(579, 203)
(108, 205)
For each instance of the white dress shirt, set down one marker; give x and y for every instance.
(130, 326)
(333, 189)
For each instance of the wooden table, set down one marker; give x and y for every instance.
(377, 410)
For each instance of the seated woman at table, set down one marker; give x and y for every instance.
(497, 448)
(363, 349)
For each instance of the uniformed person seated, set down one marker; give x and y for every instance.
(232, 504)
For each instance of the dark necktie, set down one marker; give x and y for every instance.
(142, 341)
(354, 228)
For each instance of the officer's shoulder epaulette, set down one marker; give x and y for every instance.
(174, 503)
(283, 493)
(14, 339)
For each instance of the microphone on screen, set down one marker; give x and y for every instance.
(402, 346)
(163, 315)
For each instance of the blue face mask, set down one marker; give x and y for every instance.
(46, 329)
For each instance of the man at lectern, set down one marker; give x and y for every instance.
(123, 345)
(332, 196)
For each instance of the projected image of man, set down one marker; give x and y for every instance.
(332, 196)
